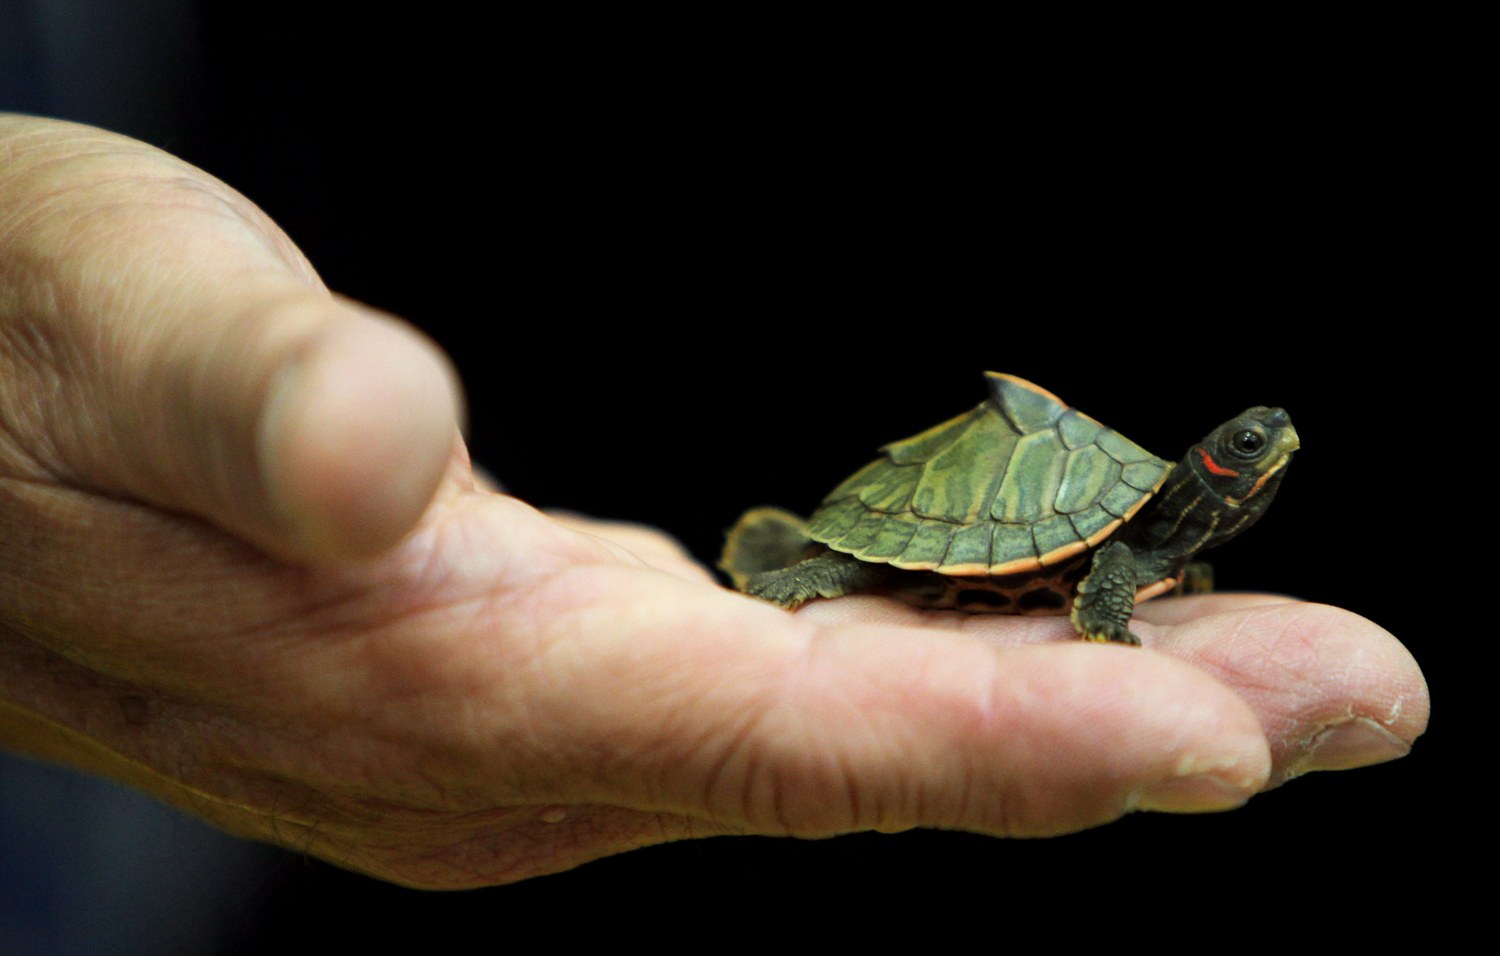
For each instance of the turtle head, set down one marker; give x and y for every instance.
(1243, 460)
(1219, 489)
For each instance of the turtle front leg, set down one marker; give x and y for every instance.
(1106, 598)
(828, 575)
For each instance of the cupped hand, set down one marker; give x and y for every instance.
(245, 565)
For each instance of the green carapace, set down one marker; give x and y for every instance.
(1021, 506)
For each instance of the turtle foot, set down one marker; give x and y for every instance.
(828, 575)
(1110, 634)
(1106, 598)
(780, 588)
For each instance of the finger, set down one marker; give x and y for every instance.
(1012, 629)
(1005, 630)
(771, 724)
(212, 373)
(1333, 690)
(1181, 610)
(654, 547)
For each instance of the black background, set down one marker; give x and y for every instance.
(684, 272)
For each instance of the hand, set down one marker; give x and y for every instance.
(245, 565)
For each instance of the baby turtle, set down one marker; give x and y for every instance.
(1021, 506)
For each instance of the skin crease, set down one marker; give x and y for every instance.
(246, 566)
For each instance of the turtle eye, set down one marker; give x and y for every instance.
(1247, 443)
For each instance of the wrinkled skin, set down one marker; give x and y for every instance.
(245, 565)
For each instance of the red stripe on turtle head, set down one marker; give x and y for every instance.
(1215, 467)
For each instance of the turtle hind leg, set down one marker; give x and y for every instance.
(1197, 578)
(764, 539)
(1106, 598)
(828, 575)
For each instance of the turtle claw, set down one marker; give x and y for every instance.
(1111, 634)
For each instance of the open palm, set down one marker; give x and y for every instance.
(245, 565)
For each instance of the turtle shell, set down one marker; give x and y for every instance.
(1021, 483)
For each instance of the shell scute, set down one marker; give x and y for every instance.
(1077, 430)
(1087, 475)
(927, 547)
(1030, 408)
(1019, 482)
(969, 552)
(1056, 539)
(1120, 448)
(1012, 549)
(957, 480)
(1030, 484)
(1121, 500)
(832, 521)
(893, 538)
(1092, 522)
(1144, 475)
(880, 486)
(922, 446)
(863, 534)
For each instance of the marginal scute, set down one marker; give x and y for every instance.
(893, 537)
(862, 535)
(1089, 523)
(927, 547)
(969, 550)
(1121, 500)
(832, 521)
(1012, 544)
(1144, 475)
(1055, 539)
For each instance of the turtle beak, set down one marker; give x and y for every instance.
(1286, 436)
